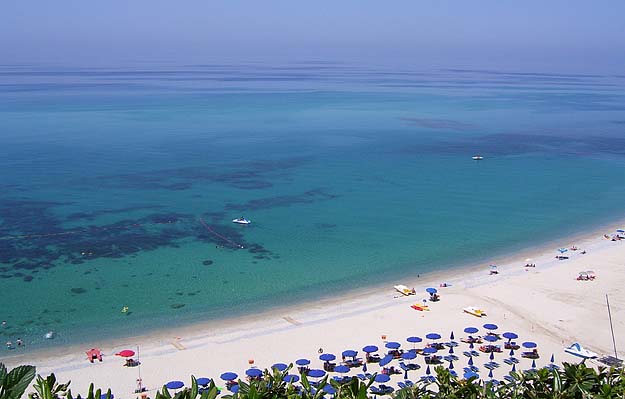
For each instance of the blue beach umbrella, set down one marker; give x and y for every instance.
(471, 346)
(451, 366)
(316, 373)
(552, 358)
(510, 335)
(433, 336)
(370, 349)
(302, 362)
(382, 378)
(490, 326)
(431, 291)
(513, 367)
(253, 373)
(529, 345)
(329, 389)
(386, 360)
(175, 384)
(427, 370)
(393, 345)
(234, 388)
(492, 355)
(490, 338)
(105, 396)
(430, 350)
(533, 363)
(620, 231)
(364, 367)
(470, 374)
(470, 361)
(490, 373)
(409, 355)
(203, 381)
(414, 340)
(341, 369)
(350, 353)
(451, 349)
(470, 330)
(290, 378)
(229, 376)
(327, 357)
(279, 366)
(451, 336)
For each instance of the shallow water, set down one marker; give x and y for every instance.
(351, 175)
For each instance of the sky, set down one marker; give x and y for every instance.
(554, 33)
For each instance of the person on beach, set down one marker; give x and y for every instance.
(19, 342)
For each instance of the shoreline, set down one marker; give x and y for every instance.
(544, 304)
(381, 293)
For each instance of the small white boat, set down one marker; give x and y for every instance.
(241, 220)
(402, 289)
(577, 350)
(477, 157)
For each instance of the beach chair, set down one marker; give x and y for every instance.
(531, 355)
(403, 366)
(375, 390)
(402, 385)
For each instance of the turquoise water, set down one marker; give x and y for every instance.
(352, 176)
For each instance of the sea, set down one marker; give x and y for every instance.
(120, 183)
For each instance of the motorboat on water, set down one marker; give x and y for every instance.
(477, 157)
(241, 220)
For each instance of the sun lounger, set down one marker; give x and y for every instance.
(472, 340)
(472, 310)
(530, 355)
(373, 358)
(511, 345)
(402, 289)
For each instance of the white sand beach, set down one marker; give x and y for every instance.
(544, 304)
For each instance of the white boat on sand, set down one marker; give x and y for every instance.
(578, 350)
(402, 289)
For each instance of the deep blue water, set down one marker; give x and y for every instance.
(119, 184)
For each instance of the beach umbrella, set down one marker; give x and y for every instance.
(126, 353)
(511, 352)
(431, 291)
(106, 396)
(470, 330)
(471, 361)
(316, 373)
(279, 366)
(489, 326)
(471, 346)
(430, 350)
(174, 385)
(341, 369)
(327, 357)
(364, 367)
(229, 376)
(203, 381)
(451, 349)
(529, 345)
(409, 355)
(513, 367)
(490, 373)
(433, 336)
(386, 360)
(350, 353)
(302, 362)
(329, 389)
(562, 250)
(234, 388)
(406, 374)
(254, 373)
(552, 358)
(451, 366)
(290, 378)
(451, 336)
(427, 370)
(393, 345)
(382, 378)
(490, 338)
(533, 363)
(492, 355)
(470, 374)
(370, 349)
(414, 340)
(510, 335)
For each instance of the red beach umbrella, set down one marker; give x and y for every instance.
(126, 353)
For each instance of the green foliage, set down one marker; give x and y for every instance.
(14, 383)
(210, 392)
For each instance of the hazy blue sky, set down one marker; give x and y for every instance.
(534, 32)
